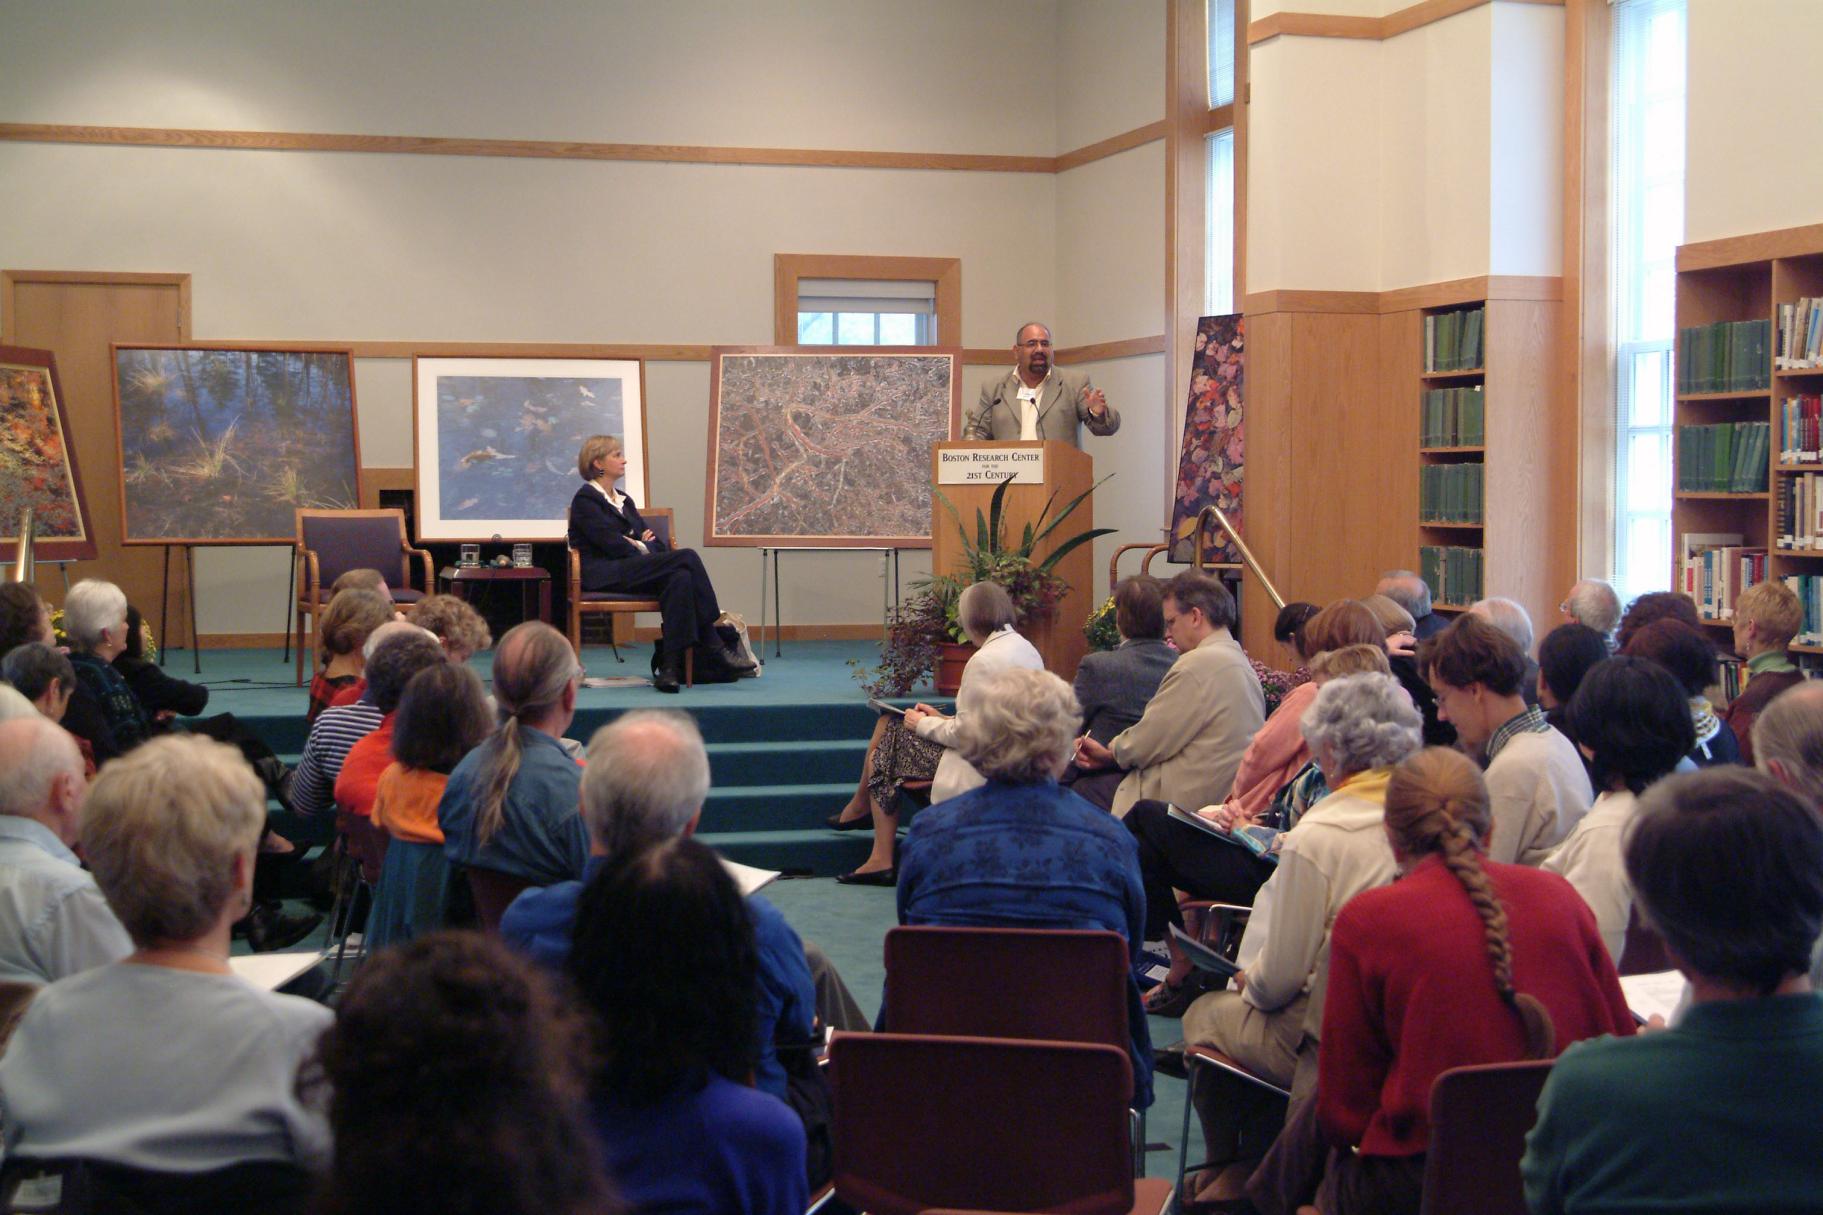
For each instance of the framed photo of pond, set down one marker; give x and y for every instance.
(222, 444)
(497, 441)
(37, 463)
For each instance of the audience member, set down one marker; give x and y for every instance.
(646, 781)
(1359, 727)
(1113, 686)
(167, 1061)
(511, 806)
(1593, 604)
(442, 716)
(1413, 594)
(43, 675)
(104, 709)
(455, 1076)
(1719, 1112)
(1074, 867)
(53, 919)
(1408, 996)
(1513, 620)
(1536, 782)
(341, 632)
(1566, 654)
(1655, 605)
(334, 733)
(985, 612)
(663, 953)
(1188, 743)
(162, 696)
(1788, 741)
(1766, 617)
(13, 705)
(1631, 720)
(23, 617)
(361, 580)
(399, 656)
(1687, 654)
(457, 625)
(1396, 624)
(1291, 618)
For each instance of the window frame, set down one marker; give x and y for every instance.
(789, 268)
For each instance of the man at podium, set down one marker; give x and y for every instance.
(1038, 400)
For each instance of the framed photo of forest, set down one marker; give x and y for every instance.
(221, 444)
(37, 462)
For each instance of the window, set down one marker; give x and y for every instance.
(1218, 244)
(822, 299)
(1646, 184)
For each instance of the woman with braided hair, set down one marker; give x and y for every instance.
(1460, 961)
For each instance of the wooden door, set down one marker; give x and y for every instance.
(75, 315)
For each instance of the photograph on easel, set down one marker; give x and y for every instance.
(224, 444)
(1212, 462)
(37, 463)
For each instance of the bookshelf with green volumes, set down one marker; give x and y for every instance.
(1748, 483)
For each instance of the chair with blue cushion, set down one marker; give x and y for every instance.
(332, 542)
(614, 604)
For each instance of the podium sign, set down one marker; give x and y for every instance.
(968, 473)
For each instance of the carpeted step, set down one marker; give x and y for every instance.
(823, 853)
(798, 761)
(796, 807)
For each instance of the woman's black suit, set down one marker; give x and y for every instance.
(611, 562)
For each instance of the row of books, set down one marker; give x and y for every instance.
(1728, 677)
(1799, 501)
(1454, 417)
(1730, 458)
(1452, 573)
(1801, 429)
(1449, 493)
(1715, 577)
(1800, 335)
(1452, 340)
(1809, 590)
(1731, 356)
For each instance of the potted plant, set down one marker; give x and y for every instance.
(926, 623)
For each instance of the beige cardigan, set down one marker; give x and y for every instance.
(1005, 650)
(1187, 746)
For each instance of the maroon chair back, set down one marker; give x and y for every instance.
(1480, 1117)
(494, 892)
(356, 540)
(1643, 950)
(1049, 984)
(925, 1122)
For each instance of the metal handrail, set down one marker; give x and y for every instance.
(1214, 514)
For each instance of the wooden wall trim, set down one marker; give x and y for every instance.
(679, 352)
(788, 268)
(552, 149)
(1373, 29)
(1101, 352)
(10, 279)
(1753, 247)
(1405, 299)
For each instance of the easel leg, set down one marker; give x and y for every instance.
(762, 653)
(164, 609)
(778, 616)
(196, 650)
(291, 582)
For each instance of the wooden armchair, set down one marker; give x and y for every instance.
(332, 542)
(614, 604)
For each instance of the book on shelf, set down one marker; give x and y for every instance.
(1798, 512)
(1715, 577)
(1729, 458)
(1450, 493)
(1800, 420)
(1453, 340)
(1730, 356)
(1800, 335)
(1809, 590)
(1453, 417)
(1452, 572)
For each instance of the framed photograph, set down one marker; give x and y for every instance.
(1212, 463)
(496, 441)
(37, 463)
(827, 446)
(222, 444)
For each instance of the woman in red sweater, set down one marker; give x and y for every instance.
(1459, 961)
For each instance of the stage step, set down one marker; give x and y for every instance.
(773, 807)
(821, 853)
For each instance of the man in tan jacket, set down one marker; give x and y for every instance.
(1188, 744)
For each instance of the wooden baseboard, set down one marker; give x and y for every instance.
(244, 641)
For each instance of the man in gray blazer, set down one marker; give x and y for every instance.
(1038, 400)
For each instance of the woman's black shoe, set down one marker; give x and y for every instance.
(719, 651)
(668, 677)
(837, 823)
(879, 877)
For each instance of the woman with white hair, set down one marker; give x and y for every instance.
(1020, 851)
(926, 749)
(167, 1062)
(1358, 728)
(104, 709)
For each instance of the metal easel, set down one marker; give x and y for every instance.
(889, 588)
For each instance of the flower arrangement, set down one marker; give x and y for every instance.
(1100, 629)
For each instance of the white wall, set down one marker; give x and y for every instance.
(332, 246)
(1748, 164)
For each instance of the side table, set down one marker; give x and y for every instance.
(458, 579)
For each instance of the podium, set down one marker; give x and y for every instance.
(969, 472)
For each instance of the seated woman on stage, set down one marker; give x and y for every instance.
(922, 748)
(620, 553)
(1409, 996)
(342, 632)
(167, 1060)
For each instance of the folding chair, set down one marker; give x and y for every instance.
(1642, 950)
(1048, 984)
(1197, 1058)
(1480, 1116)
(924, 1122)
(494, 892)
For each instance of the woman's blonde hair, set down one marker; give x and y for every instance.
(596, 447)
(348, 620)
(161, 828)
(1391, 617)
(1359, 659)
(532, 668)
(1437, 802)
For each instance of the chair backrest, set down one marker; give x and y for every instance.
(1643, 950)
(924, 1121)
(88, 1187)
(1054, 985)
(346, 540)
(1480, 1116)
(494, 892)
(663, 522)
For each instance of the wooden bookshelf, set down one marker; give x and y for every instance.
(1712, 287)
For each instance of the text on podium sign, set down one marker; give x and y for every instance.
(991, 466)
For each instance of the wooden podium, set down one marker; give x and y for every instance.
(968, 472)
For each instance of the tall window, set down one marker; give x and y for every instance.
(1646, 185)
(858, 312)
(1218, 276)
